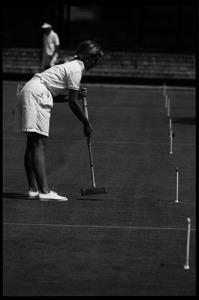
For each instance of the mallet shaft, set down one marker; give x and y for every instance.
(94, 190)
(84, 104)
(91, 162)
(85, 108)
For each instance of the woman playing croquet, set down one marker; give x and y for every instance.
(33, 111)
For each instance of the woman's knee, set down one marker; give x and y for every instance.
(36, 141)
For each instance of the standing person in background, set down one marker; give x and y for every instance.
(50, 47)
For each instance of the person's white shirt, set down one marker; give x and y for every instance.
(60, 78)
(49, 42)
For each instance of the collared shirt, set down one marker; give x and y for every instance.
(60, 78)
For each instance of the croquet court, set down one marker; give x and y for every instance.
(131, 241)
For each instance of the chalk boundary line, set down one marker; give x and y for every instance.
(97, 226)
(106, 142)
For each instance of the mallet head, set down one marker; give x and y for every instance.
(94, 191)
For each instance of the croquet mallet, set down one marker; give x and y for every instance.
(94, 190)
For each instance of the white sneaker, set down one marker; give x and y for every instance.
(51, 196)
(32, 194)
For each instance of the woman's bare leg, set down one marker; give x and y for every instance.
(35, 162)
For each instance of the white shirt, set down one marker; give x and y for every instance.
(49, 42)
(59, 78)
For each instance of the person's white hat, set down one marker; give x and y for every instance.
(46, 25)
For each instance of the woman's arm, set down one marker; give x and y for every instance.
(65, 98)
(60, 99)
(78, 112)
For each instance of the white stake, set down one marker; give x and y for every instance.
(170, 124)
(171, 141)
(168, 107)
(186, 266)
(166, 100)
(177, 184)
(164, 89)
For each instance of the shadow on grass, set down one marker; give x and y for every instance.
(181, 120)
(89, 199)
(18, 196)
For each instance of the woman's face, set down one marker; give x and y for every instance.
(91, 62)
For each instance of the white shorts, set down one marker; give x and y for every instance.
(33, 108)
